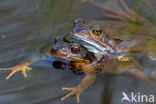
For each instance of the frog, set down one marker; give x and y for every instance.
(95, 34)
(133, 23)
(74, 52)
(130, 23)
(79, 59)
(82, 59)
(68, 56)
(98, 41)
(44, 53)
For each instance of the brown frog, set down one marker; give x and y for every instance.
(80, 58)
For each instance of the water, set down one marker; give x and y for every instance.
(25, 26)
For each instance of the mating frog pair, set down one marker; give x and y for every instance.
(82, 59)
(85, 61)
(95, 51)
(79, 59)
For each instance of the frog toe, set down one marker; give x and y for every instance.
(74, 91)
(12, 73)
(23, 69)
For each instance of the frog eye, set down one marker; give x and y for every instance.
(75, 48)
(97, 31)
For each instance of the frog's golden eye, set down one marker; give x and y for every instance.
(75, 48)
(97, 31)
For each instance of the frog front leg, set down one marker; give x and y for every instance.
(23, 67)
(87, 81)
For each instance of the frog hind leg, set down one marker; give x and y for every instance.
(140, 75)
(87, 81)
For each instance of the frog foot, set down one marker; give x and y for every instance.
(16, 69)
(74, 91)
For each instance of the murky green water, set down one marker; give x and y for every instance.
(26, 25)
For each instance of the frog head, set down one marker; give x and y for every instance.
(72, 56)
(94, 38)
(70, 52)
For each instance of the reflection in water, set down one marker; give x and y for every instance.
(27, 25)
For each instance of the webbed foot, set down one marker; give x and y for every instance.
(16, 69)
(74, 91)
(87, 81)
